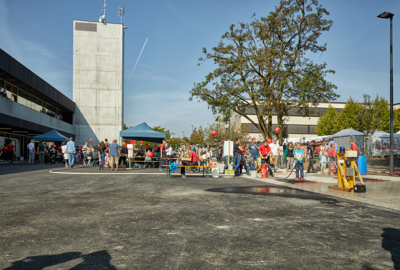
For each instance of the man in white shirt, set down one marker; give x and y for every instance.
(169, 152)
(31, 147)
(275, 152)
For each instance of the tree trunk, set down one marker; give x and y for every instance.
(269, 109)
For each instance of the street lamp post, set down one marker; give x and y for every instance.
(388, 15)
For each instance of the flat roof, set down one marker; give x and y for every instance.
(17, 74)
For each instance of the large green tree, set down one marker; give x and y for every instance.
(263, 66)
(328, 123)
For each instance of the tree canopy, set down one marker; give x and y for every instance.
(366, 116)
(262, 65)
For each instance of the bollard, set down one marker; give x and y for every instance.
(264, 172)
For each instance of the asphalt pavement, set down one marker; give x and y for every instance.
(83, 218)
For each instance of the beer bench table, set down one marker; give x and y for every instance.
(205, 169)
(133, 160)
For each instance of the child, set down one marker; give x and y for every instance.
(249, 160)
(299, 157)
(332, 153)
(322, 155)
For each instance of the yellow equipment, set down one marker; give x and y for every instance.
(347, 168)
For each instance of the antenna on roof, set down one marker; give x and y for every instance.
(103, 17)
(121, 12)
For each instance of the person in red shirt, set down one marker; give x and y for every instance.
(11, 152)
(353, 146)
(3, 152)
(192, 160)
(265, 153)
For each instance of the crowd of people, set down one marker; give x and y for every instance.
(254, 155)
(248, 157)
(51, 114)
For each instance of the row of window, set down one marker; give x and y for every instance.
(291, 129)
(313, 112)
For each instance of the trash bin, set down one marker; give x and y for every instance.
(215, 172)
(362, 164)
(253, 174)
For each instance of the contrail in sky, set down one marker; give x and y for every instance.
(138, 59)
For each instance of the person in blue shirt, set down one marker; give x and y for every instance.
(114, 156)
(299, 157)
(254, 150)
(331, 141)
(71, 152)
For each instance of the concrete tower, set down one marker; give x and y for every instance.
(98, 80)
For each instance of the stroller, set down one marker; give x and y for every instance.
(95, 158)
(51, 159)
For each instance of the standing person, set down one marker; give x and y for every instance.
(332, 153)
(123, 153)
(71, 152)
(299, 157)
(265, 153)
(330, 142)
(310, 152)
(114, 149)
(323, 158)
(64, 153)
(4, 153)
(40, 151)
(85, 148)
(101, 148)
(32, 153)
(249, 160)
(141, 147)
(11, 152)
(353, 147)
(237, 152)
(324, 146)
(162, 154)
(106, 143)
(275, 152)
(89, 152)
(169, 151)
(289, 156)
(191, 161)
(254, 149)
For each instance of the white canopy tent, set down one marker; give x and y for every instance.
(381, 144)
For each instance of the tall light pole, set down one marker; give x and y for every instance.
(388, 15)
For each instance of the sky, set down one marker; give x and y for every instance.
(39, 35)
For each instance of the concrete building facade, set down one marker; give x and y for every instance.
(98, 91)
(297, 126)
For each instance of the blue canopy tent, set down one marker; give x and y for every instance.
(142, 132)
(51, 136)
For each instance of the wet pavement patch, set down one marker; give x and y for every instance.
(272, 191)
(292, 181)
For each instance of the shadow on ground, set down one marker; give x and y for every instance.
(391, 242)
(93, 261)
(25, 167)
(273, 191)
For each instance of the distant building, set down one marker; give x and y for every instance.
(297, 126)
(26, 95)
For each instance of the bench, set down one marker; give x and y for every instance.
(205, 168)
(152, 161)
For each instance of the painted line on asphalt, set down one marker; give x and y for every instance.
(121, 173)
